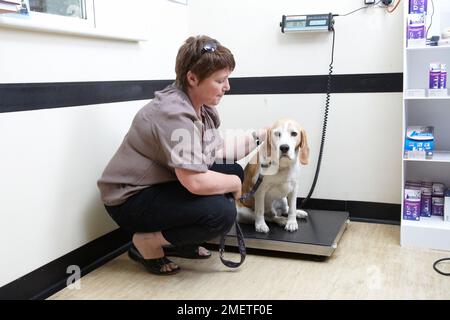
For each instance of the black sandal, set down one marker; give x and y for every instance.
(188, 252)
(154, 266)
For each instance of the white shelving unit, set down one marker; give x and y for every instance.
(432, 232)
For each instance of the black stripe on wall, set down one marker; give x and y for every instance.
(35, 96)
(49, 279)
(343, 83)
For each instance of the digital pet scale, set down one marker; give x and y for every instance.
(318, 234)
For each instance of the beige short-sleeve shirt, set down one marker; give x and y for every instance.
(165, 134)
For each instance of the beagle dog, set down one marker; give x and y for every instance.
(278, 163)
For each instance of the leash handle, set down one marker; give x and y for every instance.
(239, 234)
(241, 246)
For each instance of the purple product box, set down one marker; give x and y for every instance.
(437, 207)
(411, 204)
(438, 189)
(416, 31)
(447, 206)
(435, 75)
(443, 77)
(412, 183)
(425, 202)
(417, 6)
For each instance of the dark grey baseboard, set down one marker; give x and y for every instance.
(52, 277)
(359, 210)
(49, 279)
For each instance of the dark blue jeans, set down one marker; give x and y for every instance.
(182, 217)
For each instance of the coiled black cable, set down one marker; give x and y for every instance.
(324, 128)
(439, 271)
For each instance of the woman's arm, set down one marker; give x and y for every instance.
(236, 148)
(210, 182)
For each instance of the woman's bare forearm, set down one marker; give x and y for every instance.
(236, 148)
(208, 183)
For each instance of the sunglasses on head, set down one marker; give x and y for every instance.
(209, 47)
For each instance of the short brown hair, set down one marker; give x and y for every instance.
(192, 57)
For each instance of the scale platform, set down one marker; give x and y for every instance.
(316, 235)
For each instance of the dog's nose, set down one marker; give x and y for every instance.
(284, 148)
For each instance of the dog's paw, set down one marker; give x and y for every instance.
(261, 227)
(291, 226)
(302, 214)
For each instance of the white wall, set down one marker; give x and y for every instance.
(362, 156)
(440, 22)
(46, 57)
(50, 159)
(368, 41)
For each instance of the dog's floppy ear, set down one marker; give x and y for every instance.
(250, 171)
(268, 145)
(303, 155)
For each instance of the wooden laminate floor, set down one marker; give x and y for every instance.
(368, 264)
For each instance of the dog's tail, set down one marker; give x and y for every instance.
(245, 215)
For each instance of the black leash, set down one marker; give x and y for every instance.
(241, 246)
(239, 235)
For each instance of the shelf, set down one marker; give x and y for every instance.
(428, 48)
(429, 233)
(428, 98)
(433, 222)
(426, 107)
(438, 156)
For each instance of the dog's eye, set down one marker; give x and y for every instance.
(277, 134)
(294, 134)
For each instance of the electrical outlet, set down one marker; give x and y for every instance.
(369, 1)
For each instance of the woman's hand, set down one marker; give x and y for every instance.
(237, 193)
